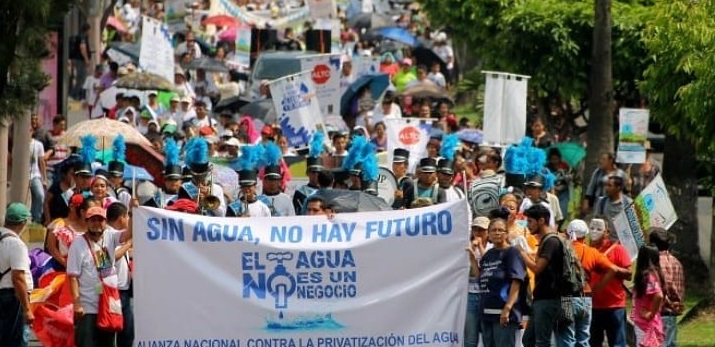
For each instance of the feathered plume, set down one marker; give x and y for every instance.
(272, 155)
(354, 152)
(197, 151)
(250, 156)
(119, 147)
(370, 168)
(549, 179)
(88, 152)
(316, 144)
(450, 144)
(171, 152)
(524, 158)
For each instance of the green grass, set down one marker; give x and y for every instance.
(699, 331)
(468, 110)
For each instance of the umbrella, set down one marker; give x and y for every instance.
(353, 201)
(226, 177)
(397, 34)
(262, 110)
(117, 24)
(377, 83)
(208, 64)
(233, 104)
(571, 152)
(130, 170)
(427, 57)
(228, 35)
(128, 49)
(144, 81)
(424, 90)
(221, 21)
(470, 135)
(370, 20)
(105, 130)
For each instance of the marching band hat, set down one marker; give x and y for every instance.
(247, 178)
(400, 155)
(445, 166)
(428, 165)
(172, 172)
(356, 170)
(83, 169)
(115, 168)
(273, 172)
(315, 164)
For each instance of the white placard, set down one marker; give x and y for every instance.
(156, 54)
(411, 134)
(632, 135)
(305, 281)
(321, 9)
(504, 108)
(297, 107)
(325, 73)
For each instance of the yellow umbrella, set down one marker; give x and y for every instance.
(105, 130)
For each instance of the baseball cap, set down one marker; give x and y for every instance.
(481, 222)
(577, 229)
(175, 98)
(17, 213)
(95, 211)
(227, 133)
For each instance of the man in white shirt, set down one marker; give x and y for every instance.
(15, 277)
(91, 258)
(174, 112)
(117, 220)
(92, 87)
(387, 109)
(202, 118)
(279, 203)
(444, 51)
(437, 77)
(248, 204)
(189, 45)
(38, 170)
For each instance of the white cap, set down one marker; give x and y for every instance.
(577, 229)
(227, 133)
(233, 142)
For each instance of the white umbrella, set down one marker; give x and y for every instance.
(105, 130)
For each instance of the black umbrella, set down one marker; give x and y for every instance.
(208, 64)
(130, 49)
(233, 104)
(427, 57)
(370, 20)
(353, 201)
(262, 110)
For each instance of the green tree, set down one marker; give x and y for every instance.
(24, 28)
(678, 83)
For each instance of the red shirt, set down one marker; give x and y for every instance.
(613, 295)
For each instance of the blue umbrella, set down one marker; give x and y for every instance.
(397, 34)
(470, 135)
(129, 170)
(377, 83)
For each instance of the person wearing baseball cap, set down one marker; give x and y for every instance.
(426, 185)
(405, 193)
(15, 276)
(93, 252)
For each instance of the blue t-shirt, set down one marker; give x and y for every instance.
(498, 268)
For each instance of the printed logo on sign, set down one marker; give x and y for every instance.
(410, 135)
(321, 74)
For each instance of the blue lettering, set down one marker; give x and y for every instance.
(153, 225)
(320, 259)
(251, 261)
(165, 229)
(444, 220)
(214, 232)
(293, 234)
(258, 287)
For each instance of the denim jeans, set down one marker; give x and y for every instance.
(38, 199)
(86, 333)
(582, 322)
(472, 324)
(12, 323)
(541, 327)
(670, 326)
(496, 335)
(125, 338)
(613, 322)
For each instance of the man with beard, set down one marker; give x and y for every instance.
(279, 203)
(90, 260)
(248, 204)
(405, 192)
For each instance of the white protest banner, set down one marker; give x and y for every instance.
(632, 135)
(156, 54)
(363, 66)
(653, 205)
(629, 231)
(306, 281)
(325, 73)
(367, 6)
(504, 108)
(175, 14)
(411, 134)
(323, 9)
(297, 106)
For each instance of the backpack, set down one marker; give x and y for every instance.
(573, 278)
(483, 195)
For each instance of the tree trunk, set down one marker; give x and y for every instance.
(4, 137)
(682, 184)
(600, 123)
(21, 159)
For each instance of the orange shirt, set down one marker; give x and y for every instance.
(593, 261)
(613, 295)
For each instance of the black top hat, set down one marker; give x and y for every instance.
(428, 165)
(101, 173)
(535, 181)
(445, 166)
(340, 174)
(115, 168)
(200, 168)
(172, 172)
(356, 170)
(369, 187)
(400, 155)
(83, 169)
(273, 172)
(315, 164)
(186, 174)
(247, 178)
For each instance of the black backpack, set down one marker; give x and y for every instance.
(573, 278)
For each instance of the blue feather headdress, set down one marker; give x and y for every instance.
(450, 144)
(549, 179)
(88, 152)
(524, 158)
(354, 152)
(316, 144)
(119, 147)
(370, 167)
(250, 156)
(272, 155)
(197, 151)
(171, 152)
